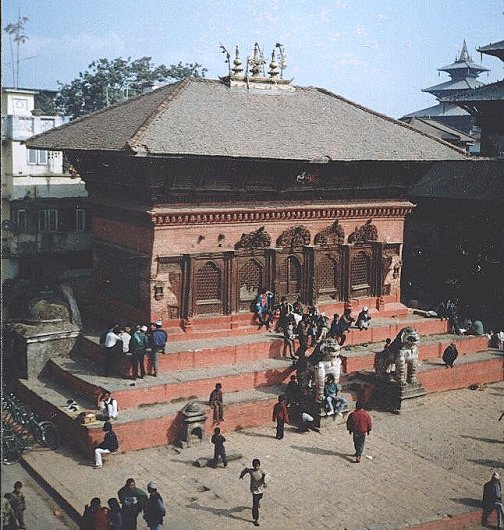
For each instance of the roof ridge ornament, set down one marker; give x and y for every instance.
(255, 76)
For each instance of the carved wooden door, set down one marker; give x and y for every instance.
(208, 289)
(250, 281)
(361, 273)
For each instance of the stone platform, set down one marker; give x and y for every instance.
(251, 368)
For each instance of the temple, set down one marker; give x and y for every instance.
(204, 192)
(463, 74)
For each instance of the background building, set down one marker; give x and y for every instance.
(45, 225)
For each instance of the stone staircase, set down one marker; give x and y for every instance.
(252, 367)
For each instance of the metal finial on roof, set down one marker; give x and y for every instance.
(237, 68)
(256, 61)
(273, 71)
(464, 54)
(283, 58)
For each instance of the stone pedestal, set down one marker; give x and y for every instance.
(389, 394)
(194, 417)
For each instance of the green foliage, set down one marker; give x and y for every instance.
(44, 101)
(110, 81)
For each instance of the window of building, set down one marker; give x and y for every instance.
(22, 221)
(48, 220)
(80, 220)
(35, 156)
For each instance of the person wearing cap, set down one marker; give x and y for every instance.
(139, 345)
(158, 339)
(492, 500)
(363, 319)
(154, 509)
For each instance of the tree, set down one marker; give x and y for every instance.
(16, 35)
(110, 81)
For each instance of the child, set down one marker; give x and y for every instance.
(219, 450)
(18, 503)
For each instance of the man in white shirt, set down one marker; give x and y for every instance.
(108, 406)
(110, 345)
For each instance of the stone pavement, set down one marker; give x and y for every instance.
(425, 465)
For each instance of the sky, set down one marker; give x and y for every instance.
(378, 53)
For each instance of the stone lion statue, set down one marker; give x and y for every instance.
(403, 352)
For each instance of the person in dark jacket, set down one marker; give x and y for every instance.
(95, 517)
(492, 500)
(158, 340)
(450, 355)
(139, 344)
(109, 444)
(18, 503)
(219, 449)
(216, 402)
(154, 509)
(132, 503)
(114, 516)
(281, 416)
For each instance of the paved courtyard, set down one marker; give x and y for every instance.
(426, 464)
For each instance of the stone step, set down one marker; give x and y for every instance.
(195, 353)
(159, 423)
(80, 378)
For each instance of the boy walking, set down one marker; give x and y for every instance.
(359, 424)
(18, 503)
(219, 449)
(257, 482)
(281, 415)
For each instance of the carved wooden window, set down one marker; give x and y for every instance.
(360, 270)
(250, 280)
(327, 277)
(208, 289)
(292, 275)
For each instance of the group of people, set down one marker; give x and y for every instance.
(122, 513)
(135, 342)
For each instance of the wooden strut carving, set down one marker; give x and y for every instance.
(257, 239)
(295, 236)
(330, 236)
(364, 234)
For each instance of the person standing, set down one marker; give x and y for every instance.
(154, 509)
(139, 345)
(492, 500)
(132, 501)
(359, 424)
(281, 416)
(18, 503)
(95, 517)
(158, 340)
(108, 446)
(257, 482)
(114, 515)
(8, 514)
(111, 346)
(216, 401)
(219, 449)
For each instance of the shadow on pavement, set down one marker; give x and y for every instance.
(489, 440)
(226, 512)
(468, 501)
(494, 464)
(325, 452)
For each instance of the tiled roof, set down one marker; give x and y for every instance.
(201, 117)
(492, 92)
(439, 130)
(496, 49)
(463, 65)
(442, 109)
(458, 84)
(472, 180)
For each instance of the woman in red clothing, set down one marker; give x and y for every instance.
(95, 517)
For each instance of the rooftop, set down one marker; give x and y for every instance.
(202, 117)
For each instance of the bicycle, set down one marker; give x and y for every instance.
(45, 432)
(13, 445)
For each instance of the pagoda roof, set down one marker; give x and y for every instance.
(491, 92)
(471, 180)
(441, 109)
(467, 83)
(496, 49)
(207, 118)
(467, 65)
